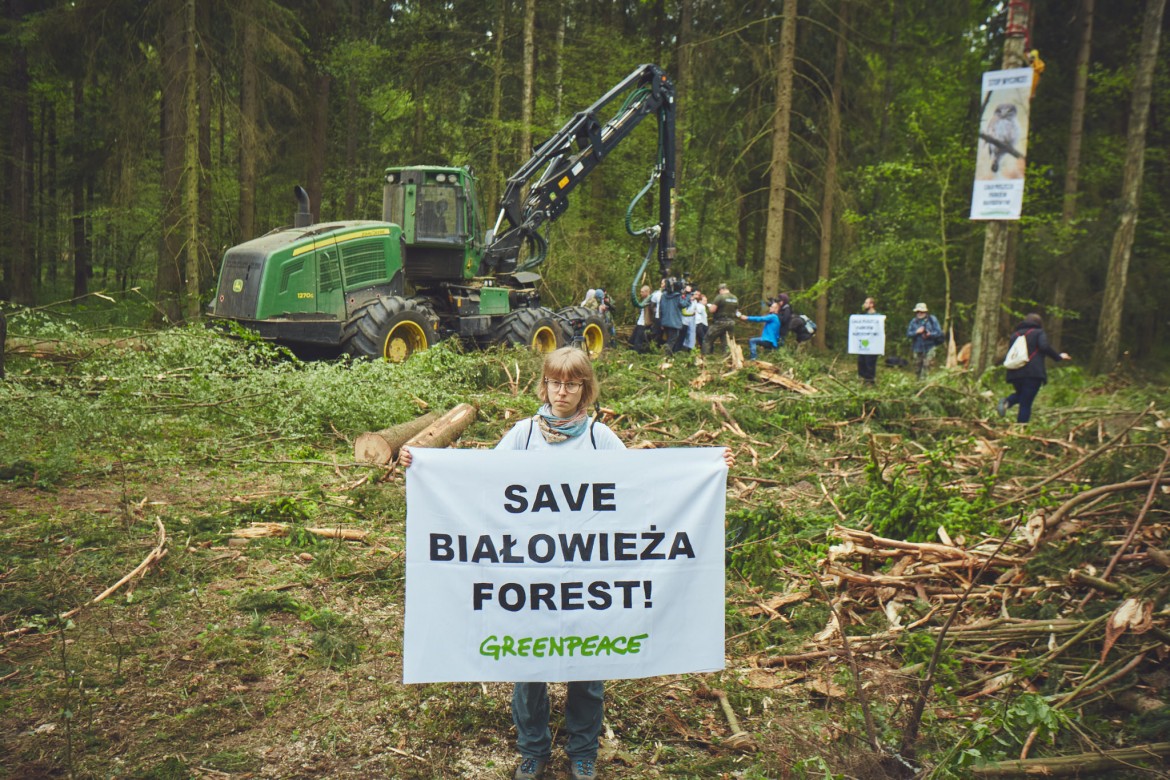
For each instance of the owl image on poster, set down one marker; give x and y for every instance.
(1003, 133)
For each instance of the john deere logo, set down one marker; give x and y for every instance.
(238, 285)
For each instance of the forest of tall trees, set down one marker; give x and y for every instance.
(826, 147)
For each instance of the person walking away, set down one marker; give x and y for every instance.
(1028, 379)
(567, 388)
(723, 311)
(645, 315)
(670, 307)
(867, 364)
(925, 334)
(770, 335)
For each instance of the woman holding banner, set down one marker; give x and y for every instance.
(568, 387)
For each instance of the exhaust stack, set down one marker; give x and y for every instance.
(304, 215)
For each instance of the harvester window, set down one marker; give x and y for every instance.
(328, 271)
(437, 214)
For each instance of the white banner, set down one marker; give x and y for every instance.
(867, 334)
(558, 566)
(1003, 144)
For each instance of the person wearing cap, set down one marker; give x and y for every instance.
(925, 334)
(724, 309)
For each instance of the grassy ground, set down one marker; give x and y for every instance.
(281, 657)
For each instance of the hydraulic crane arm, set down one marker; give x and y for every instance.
(537, 192)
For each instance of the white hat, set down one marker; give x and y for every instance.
(920, 307)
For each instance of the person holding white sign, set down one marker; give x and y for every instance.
(867, 361)
(567, 389)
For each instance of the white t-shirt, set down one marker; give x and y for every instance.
(525, 435)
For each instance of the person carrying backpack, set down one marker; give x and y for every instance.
(925, 334)
(1029, 378)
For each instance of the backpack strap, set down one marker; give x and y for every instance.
(531, 425)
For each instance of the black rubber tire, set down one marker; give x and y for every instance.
(390, 328)
(536, 329)
(589, 326)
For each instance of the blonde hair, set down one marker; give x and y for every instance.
(569, 364)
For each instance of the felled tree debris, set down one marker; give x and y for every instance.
(262, 530)
(1080, 765)
(771, 373)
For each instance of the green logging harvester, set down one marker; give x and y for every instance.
(431, 269)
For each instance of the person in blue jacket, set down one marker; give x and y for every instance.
(1029, 378)
(925, 334)
(770, 335)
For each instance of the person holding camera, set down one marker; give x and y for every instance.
(670, 308)
(925, 334)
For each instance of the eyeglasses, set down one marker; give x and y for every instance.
(557, 385)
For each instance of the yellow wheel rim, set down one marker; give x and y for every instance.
(544, 339)
(593, 339)
(403, 339)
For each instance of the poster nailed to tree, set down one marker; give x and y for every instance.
(1003, 144)
(562, 566)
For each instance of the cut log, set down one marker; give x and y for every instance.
(447, 429)
(382, 446)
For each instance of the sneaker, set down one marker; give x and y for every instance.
(1002, 407)
(530, 769)
(582, 769)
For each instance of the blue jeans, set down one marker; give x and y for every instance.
(583, 712)
(758, 342)
(1026, 390)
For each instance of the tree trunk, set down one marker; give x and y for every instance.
(995, 243)
(1006, 317)
(778, 173)
(1072, 172)
(352, 110)
(559, 86)
(830, 192)
(207, 238)
(168, 283)
(191, 163)
(19, 271)
(249, 120)
(495, 175)
(315, 178)
(1108, 345)
(682, 87)
(529, 82)
(382, 446)
(81, 246)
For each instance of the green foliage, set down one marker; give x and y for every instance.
(911, 504)
(917, 648)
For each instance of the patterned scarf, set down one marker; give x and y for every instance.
(557, 429)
